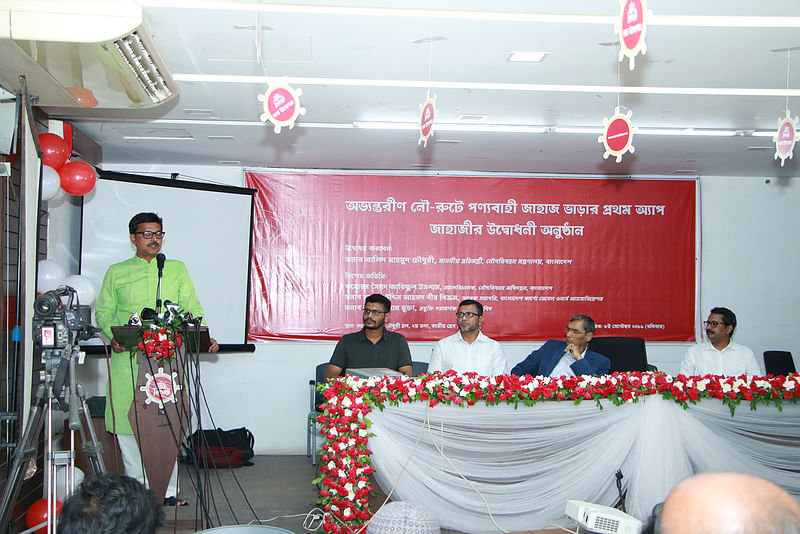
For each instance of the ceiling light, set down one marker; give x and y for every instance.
(472, 117)
(385, 125)
(500, 128)
(156, 138)
(335, 125)
(576, 130)
(426, 40)
(527, 56)
(690, 132)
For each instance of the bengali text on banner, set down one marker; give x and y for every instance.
(533, 251)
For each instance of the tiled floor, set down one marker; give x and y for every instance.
(277, 490)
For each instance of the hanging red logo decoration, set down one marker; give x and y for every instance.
(785, 138)
(281, 105)
(427, 117)
(631, 29)
(618, 137)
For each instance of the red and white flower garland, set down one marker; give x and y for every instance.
(345, 462)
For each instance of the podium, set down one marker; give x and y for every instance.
(160, 411)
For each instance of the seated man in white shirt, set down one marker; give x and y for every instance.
(720, 355)
(468, 349)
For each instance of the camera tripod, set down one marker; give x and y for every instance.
(59, 375)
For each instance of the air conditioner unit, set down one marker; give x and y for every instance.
(602, 519)
(82, 53)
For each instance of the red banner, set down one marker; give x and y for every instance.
(533, 251)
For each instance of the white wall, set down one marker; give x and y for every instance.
(749, 263)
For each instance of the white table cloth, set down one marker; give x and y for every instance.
(527, 462)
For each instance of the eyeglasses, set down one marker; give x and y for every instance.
(468, 315)
(373, 313)
(713, 324)
(147, 234)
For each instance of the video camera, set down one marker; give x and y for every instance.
(56, 324)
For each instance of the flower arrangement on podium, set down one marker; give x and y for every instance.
(159, 334)
(345, 464)
(159, 342)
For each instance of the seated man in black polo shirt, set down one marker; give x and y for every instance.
(373, 345)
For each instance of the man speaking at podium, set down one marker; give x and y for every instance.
(128, 288)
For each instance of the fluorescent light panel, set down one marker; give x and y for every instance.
(524, 56)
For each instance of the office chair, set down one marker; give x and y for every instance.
(419, 368)
(315, 399)
(625, 353)
(778, 362)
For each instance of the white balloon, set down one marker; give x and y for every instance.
(85, 289)
(61, 482)
(50, 276)
(51, 182)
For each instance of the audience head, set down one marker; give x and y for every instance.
(728, 503)
(111, 504)
(145, 217)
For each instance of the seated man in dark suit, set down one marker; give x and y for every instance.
(570, 358)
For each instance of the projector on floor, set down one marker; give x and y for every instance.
(602, 519)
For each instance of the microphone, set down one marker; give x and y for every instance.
(148, 314)
(160, 259)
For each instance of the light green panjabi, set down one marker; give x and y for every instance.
(128, 287)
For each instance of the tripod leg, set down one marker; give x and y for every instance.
(93, 448)
(24, 452)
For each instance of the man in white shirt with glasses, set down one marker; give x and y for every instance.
(468, 349)
(719, 355)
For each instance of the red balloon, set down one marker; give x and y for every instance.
(54, 150)
(77, 177)
(37, 514)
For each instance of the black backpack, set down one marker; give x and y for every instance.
(222, 448)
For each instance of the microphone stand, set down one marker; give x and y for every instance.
(158, 289)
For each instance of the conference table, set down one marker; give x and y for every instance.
(511, 465)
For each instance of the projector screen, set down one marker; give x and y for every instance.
(206, 226)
